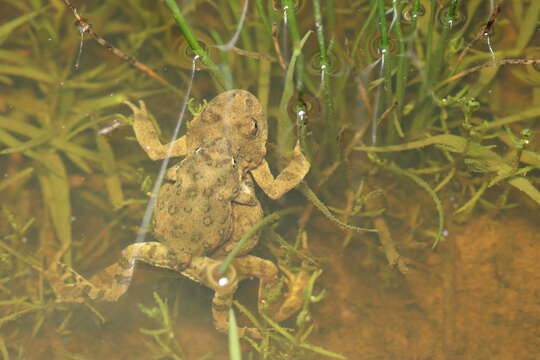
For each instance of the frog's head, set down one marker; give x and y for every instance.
(238, 116)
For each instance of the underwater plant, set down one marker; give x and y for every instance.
(388, 100)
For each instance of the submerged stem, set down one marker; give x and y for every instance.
(192, 41)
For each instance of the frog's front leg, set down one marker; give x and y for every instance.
(113, 282)
(148, 138)
(286, 180)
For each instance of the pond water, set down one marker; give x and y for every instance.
(414, 235)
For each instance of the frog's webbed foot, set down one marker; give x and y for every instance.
(148, 138)
(114, 281)
(294, 299)
(67, 284)
(271, 300)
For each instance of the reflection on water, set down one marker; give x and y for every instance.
(435, 148)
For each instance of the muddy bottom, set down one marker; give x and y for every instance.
(476, 297)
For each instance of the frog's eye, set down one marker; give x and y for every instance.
(254, 129)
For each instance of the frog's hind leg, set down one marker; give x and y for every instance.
(271, 300)
(206, 271)
(114, 281)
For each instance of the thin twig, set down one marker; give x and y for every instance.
(253, 54)
(277, 47)
(490, 64)
(85, 27)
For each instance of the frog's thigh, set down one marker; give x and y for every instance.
(113, 282)
(265, 270)
(148, 138)
(202, 270)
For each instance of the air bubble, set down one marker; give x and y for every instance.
(333, 68)
(455, 22)
(408, 14)
(223, 281)
(304, 107)
(375, 46)
(298, 6)
(184, 55)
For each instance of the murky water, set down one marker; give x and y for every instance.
(452, 271)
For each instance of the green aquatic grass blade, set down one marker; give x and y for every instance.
(471, 203)
(319, 350)
(424, 185)
(311, 196)
(72, 149)
(20, 127)
(19, 178)
(249, 315)
(331, 121)
(284, 130)
(3, 349)
(9, 140)
(525, 185)
(385, 52)
(55, 191)
(28, 145)
(234, 340)
(7, 28)
(452, 143)
(24, 258)
(529, 25)
(264, 17)
(192, 41)
(93, 105)
(281, 330)
(531, 158)
(290, 14)
(29, 72)
(79, 161)
(112, 180)
(479, 155)
(523, 115)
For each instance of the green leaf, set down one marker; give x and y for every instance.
(7, 28)
(55, 192)
(234, 341)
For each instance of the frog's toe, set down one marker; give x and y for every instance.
(294, 298)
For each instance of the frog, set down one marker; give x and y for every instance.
(192, 217)
(193, 213)
(204, 209)
(238, 116)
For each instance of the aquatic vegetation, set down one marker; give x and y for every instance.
(389, 100)
(166, 344)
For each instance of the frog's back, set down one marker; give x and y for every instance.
(194, 214)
